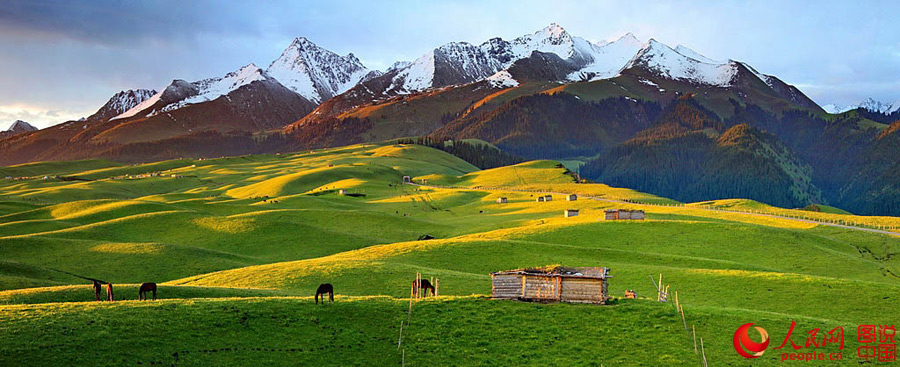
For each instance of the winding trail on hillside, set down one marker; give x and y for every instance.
(872, 230)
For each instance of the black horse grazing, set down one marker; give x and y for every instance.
(97, 289)
(146, 287)
(423, 284)
(109, 292)
(325, 288)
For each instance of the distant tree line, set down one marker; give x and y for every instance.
(483, 156)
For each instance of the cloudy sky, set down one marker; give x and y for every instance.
(63, 59)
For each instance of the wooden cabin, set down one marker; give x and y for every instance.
(623, 214)
(570, 213)
(552, 284)
(541, 199)
(548, 198)
(571, 197)
(501, 200)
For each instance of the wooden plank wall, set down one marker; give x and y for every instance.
(583, 290)
(506, 286)
(541, 288)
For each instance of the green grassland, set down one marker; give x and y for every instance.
(240, 244)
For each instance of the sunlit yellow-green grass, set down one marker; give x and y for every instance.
(824, 214)
(238, 246)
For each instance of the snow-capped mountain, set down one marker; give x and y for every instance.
(20, 127)
(878, 106)
(121, 102)
(835, 109)
(869, 104)
(666, 62)
(316, 73)
(461, 62)
(181, 93)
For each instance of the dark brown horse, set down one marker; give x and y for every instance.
(423, 284)
(109, 292)
(325, 288)
(146, 287)
(97, 289)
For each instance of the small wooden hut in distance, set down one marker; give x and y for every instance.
(501, 200)
(571, 197)
(570, 213)
(623, 214)
(552, 284)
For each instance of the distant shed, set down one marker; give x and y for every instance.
(406, 179)
(548, 198)
(571, 197)
(570, 213)
(623, 214)
(541, 199)
(556, 284)
(501, 200)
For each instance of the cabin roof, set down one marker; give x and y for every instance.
(592, 272)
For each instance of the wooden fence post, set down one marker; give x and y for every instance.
(694, 337)
(703, 352)
(400, 339)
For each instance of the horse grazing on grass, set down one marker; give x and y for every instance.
(423, 284)
(97, 289)
(146, 287)
(325, 288)
(109, 292)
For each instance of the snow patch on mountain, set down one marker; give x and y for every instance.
(121, 102)
(608, 59)
(695, 55)
(502, 79)
(417, 75)
(398, 65)
(212, 88)
(143, 105)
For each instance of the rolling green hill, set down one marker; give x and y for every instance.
(239, 245)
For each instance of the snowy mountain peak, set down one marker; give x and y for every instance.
(869, 104)
(879, 106)
(629, 38)
(554, 31)
(20, 127)
(314, 72)
(121, 102)
(695, 55)
(666, 62)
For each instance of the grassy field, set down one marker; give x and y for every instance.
(239, 245)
